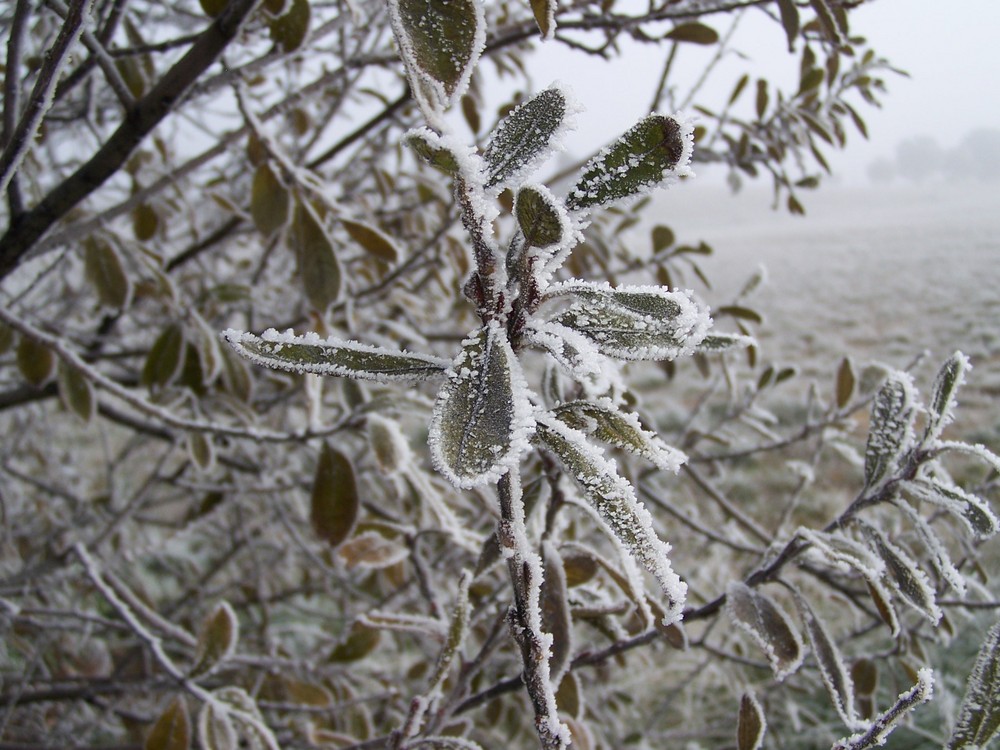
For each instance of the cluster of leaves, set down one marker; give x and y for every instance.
(200, 551)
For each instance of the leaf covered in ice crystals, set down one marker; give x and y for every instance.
(768, 625)
(891, 427)
(979, 718)
(339, 357)
(653, 152)
(632, 322)
(482, 418)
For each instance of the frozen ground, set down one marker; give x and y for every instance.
(878, 273)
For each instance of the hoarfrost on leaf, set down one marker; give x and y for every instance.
(904, 574)
(949, 379)
(878, 731)
(831, 664)
(615, 501)
(333, 356)
(891, 431)
(972, 510)
(768, 625)
(483, 415)
(979, 717)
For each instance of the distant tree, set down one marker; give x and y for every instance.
(437, 516)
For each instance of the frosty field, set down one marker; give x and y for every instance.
(877, 273)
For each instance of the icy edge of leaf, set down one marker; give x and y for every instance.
(332, 356)
(979, 717)
(575, 355)
(943, 401)
(466, 397)
(605, 421)
(877, 732)
(768, 625)
(615, 500)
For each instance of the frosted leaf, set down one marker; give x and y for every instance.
(528, 136)
(439, 42)
(482, 418)
(432, 149)
(949, 379)
(939, 557)
(715, 343)
(391, 449)
(603, 420)
(319, 267)
(369, 550)
(908, 579)
(977, 450)
(215, 728)
(333, 356)
(632, 322)
(443, 743)
(614, 500)
(891, 430)
(172, 730)
(653, 152)
(404, 623)
(973, 511)
(834, 672)
(842, 553)
(216, 640)
(575, 354)
(750, 724)
(545, 16)
(878, 730)
(768, 625)
(541, 217)
(229, 715)
(458, 630)
(555, 612)
(979, 717)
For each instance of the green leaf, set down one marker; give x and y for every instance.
(789, 21)
(632, 322)
(334, 503)
(360, 642)
(846, 383)
(811, 80)
(603, 420)
(904, 574)
(439, 42)
(7, 338)
(653, 152)
(556, 619)
(740, 312)
(525, 137)
(288, 31)
(750, 724)
(482, 417)
(979, 717)
(172, 731)
(541, 218)
(336, 357)
(35, 361)
(696, 33)
(949, 379)
(269, 201)
(76, 392)
(216, 640)
(663, 237)
(318, 263)
(768, 625)
(545, 16)
(738, 88)
(879, 728)
(974, 512)
(614, 500)
(891, 427)
(145, 222)
(715, 343)
(372, 240)
(458, 631)
(429, 146)
(104, 270)
(762, 98)
(165, 358)
(831, 664)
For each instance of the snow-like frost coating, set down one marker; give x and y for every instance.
(768, 625)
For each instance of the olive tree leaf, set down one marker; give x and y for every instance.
(458, 631)
(482, 418)
(439, 42)
(949, 379)
(891, 427)
(443, 743)
(361, 640)
(216, 640)
(574, 353)
(545, 16)
(555, 612)
(770, 627)
(972, 510)
(372, 240)
(615, 502)
(541, 218)
(166, 357)
(528, 136)
(694, 32)
(318, 263)
(372, 551)
(76, 392)
(846, 382)
(632, 322)
(653, 152)
(903, 573)
(878, 730)
(433, 149)
(332, 356)
(269, 201)
(288, 31)
(605, 421)
(979, 717)
(215, 727)
(172, 730)
(715, 343)
(234, 705)
(103, 268)
(334, 503)
(750, 724)
(831, 664)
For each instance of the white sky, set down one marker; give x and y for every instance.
(949, 49)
